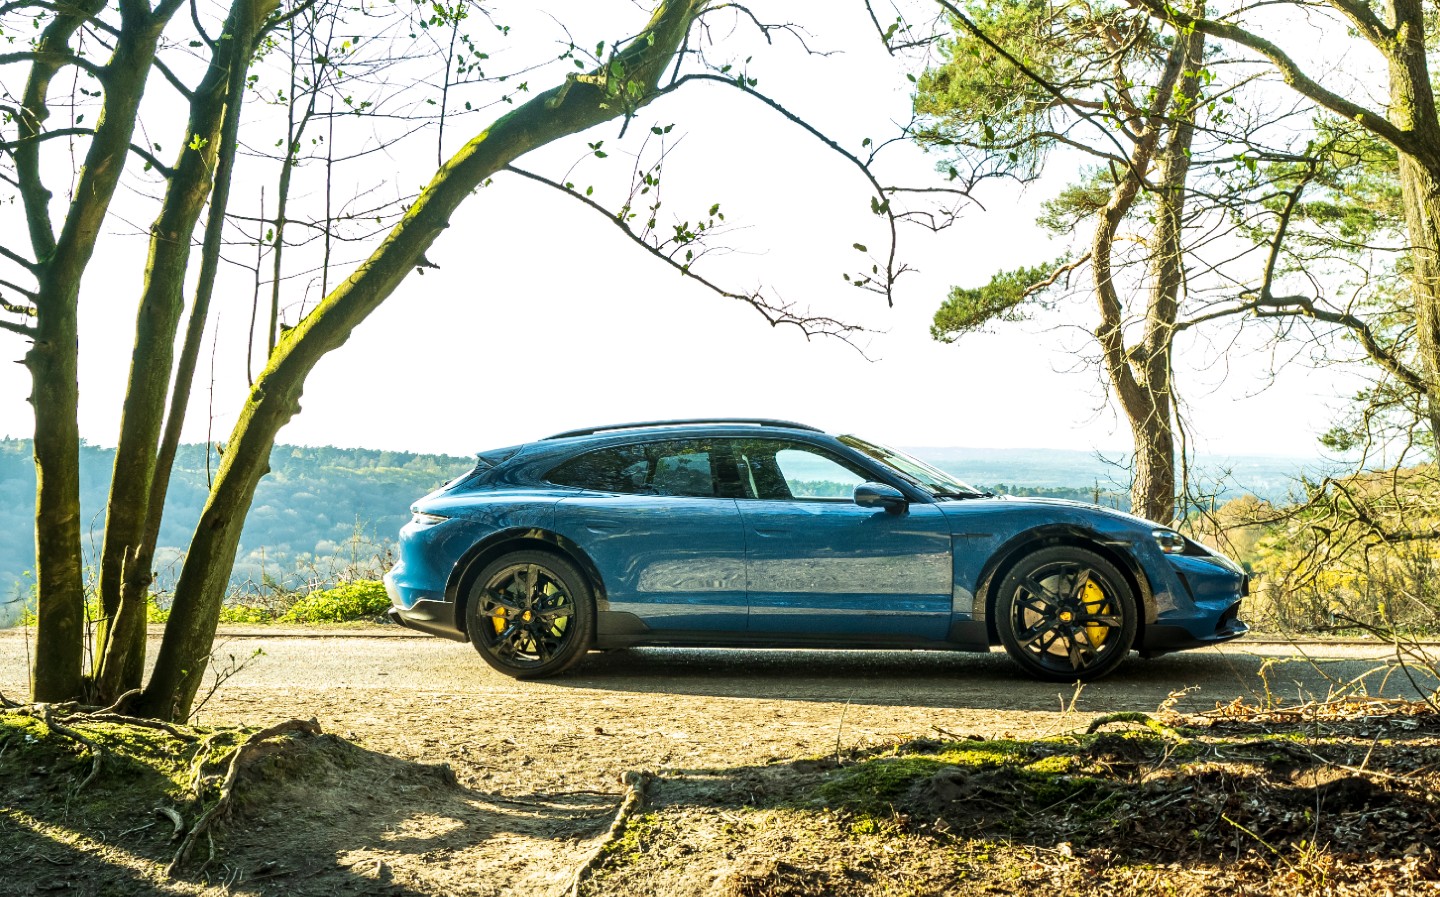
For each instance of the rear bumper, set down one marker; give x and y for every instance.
(423, 614)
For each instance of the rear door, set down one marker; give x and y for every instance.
(660, 522)
(818, 565)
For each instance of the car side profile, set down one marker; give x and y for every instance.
(760, 533)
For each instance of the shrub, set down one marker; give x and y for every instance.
(358, 600)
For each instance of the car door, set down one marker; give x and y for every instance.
(663, 531)
(818, 565)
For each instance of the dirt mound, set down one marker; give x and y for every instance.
(1188, 812)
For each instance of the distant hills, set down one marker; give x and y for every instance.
(325, 513)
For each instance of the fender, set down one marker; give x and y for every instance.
(1113, 550)
(515, 539)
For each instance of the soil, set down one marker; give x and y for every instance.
(773, 773)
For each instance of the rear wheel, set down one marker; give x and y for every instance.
(1066, 613)
(530, 614)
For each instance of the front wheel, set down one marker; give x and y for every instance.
(530, 614)
(1065, 614)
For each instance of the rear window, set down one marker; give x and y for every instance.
(658, 468)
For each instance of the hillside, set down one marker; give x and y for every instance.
(320, 513)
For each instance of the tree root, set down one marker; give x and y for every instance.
(636, 783)
(175, 819)
(97, 753)
(105, 716)
(1130, 716)
(227, 789)
(8, 704)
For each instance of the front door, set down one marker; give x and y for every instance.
(818, 565)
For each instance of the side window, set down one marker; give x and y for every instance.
(657, 468)
(777, 470)
(622, 469)
(682, 470)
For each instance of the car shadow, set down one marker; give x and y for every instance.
(956, 680)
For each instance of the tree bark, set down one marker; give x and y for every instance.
(129, 546)
(1140, 376)
(1152, 491)
(578, 104)
(1412, 109)
(53, 359)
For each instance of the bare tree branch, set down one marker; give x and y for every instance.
(1289, 70)
(776, 315)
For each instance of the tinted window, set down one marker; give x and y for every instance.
(775, 469)
(621, 469)
(657, 468)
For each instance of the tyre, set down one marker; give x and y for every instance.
(530, 614)
(1065, 614)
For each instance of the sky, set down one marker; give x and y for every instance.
(542, 317)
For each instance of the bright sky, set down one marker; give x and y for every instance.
(542, 317)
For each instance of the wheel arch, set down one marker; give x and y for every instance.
(457, 589)
(1050, 536)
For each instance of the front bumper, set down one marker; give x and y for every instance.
(1214, 588)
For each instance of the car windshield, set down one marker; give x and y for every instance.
(931, 479)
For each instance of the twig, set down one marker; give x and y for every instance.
(841, 730)
(636, 783)
(227, 789)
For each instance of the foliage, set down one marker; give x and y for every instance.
(1317, 568)
(364, 600)
(968, 310)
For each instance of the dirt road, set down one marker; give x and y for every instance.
(426, 698)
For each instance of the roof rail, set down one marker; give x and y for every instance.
(640, 425)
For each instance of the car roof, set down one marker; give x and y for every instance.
(687, 423)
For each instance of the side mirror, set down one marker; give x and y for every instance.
(879, 495)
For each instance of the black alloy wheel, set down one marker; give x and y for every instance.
(1066, 613)
(530, 614)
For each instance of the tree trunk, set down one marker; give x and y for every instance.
(53, 359)
(129, 547)
(1152, 491)
(578, 104)
(1140, 376)
(1412, 109)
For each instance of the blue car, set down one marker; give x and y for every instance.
(761, 533)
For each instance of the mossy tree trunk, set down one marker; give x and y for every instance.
(59, 265)
(139, 480)
(628, 81)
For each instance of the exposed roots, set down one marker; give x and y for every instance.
(636, 783)
(46, 714)
(227, 788)
(175, 819)
(1143, 719)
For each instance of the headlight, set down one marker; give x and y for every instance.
(421, 519)
(1169, 541)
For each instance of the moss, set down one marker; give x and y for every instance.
(632, 840)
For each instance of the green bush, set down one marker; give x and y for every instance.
(359, 600)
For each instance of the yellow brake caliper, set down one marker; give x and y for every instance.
(498, 621)
(1095, 603)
